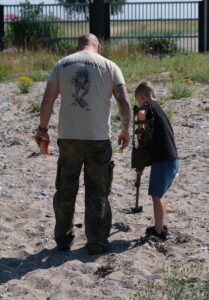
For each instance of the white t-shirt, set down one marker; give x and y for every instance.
(86, 82)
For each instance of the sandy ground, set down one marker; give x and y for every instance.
(30, 265)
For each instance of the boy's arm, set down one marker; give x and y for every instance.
(141, 116)
(122, 99)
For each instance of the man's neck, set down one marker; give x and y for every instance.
(89, 49)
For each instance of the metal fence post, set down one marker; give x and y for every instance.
(1, 27)
(203, 25)
(99, 15)
(207, 25)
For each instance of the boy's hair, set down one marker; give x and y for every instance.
(146, 89)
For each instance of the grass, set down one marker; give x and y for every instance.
(185, 284)
(191, 67)
(17, 64)
(38, 75)
(137, 28)
(180, 90)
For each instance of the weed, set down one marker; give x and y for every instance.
(185, 284)
(163, 98)
(24, 83)
(115, 121)
(5, 71)
(169, 112)
(194, 194)
(34, 106)
(37, 76)
(180, 90)
(117, 149)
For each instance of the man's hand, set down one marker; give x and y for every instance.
(123, 139)
(42, 136)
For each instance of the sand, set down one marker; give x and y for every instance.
(30, 265)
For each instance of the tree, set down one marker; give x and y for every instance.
(79, 6)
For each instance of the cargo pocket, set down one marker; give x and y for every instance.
(57, 180)
(111, 167)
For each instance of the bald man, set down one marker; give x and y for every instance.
(86, 82)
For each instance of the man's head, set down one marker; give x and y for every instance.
(89, 42)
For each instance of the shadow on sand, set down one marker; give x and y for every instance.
(15, 268)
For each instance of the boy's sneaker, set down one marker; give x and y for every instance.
(163, 235)
(66, 243)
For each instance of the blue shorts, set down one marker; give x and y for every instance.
(161, 176)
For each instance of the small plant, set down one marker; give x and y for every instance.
(34, 106)
(24, 83)
(17, 103)
(180, 90)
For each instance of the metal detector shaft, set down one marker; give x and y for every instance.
(137, 208)
(137, 185)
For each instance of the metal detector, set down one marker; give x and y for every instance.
(137, 208)
(140, 156)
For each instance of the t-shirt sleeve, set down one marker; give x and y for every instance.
(117, 76)
(53, 75)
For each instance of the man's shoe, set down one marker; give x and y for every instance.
(162, 235)
(66, 243)
(94, 249)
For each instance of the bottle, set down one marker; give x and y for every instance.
(44, 149)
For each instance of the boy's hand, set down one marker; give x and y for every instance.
(123, 139)
(140, 171)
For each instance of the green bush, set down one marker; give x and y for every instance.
(159, 46)
(32, 30)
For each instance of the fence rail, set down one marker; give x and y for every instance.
(128, 22)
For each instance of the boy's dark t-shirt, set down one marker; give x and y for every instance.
(163, 145)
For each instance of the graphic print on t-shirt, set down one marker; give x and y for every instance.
(81, 83)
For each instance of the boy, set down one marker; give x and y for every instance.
(164, 157)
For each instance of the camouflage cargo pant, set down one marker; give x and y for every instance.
(98, 169)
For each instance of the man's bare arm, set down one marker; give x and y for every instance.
(121, 96)
(50, 95)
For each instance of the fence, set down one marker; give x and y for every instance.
(185, 22)
(177, 21)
